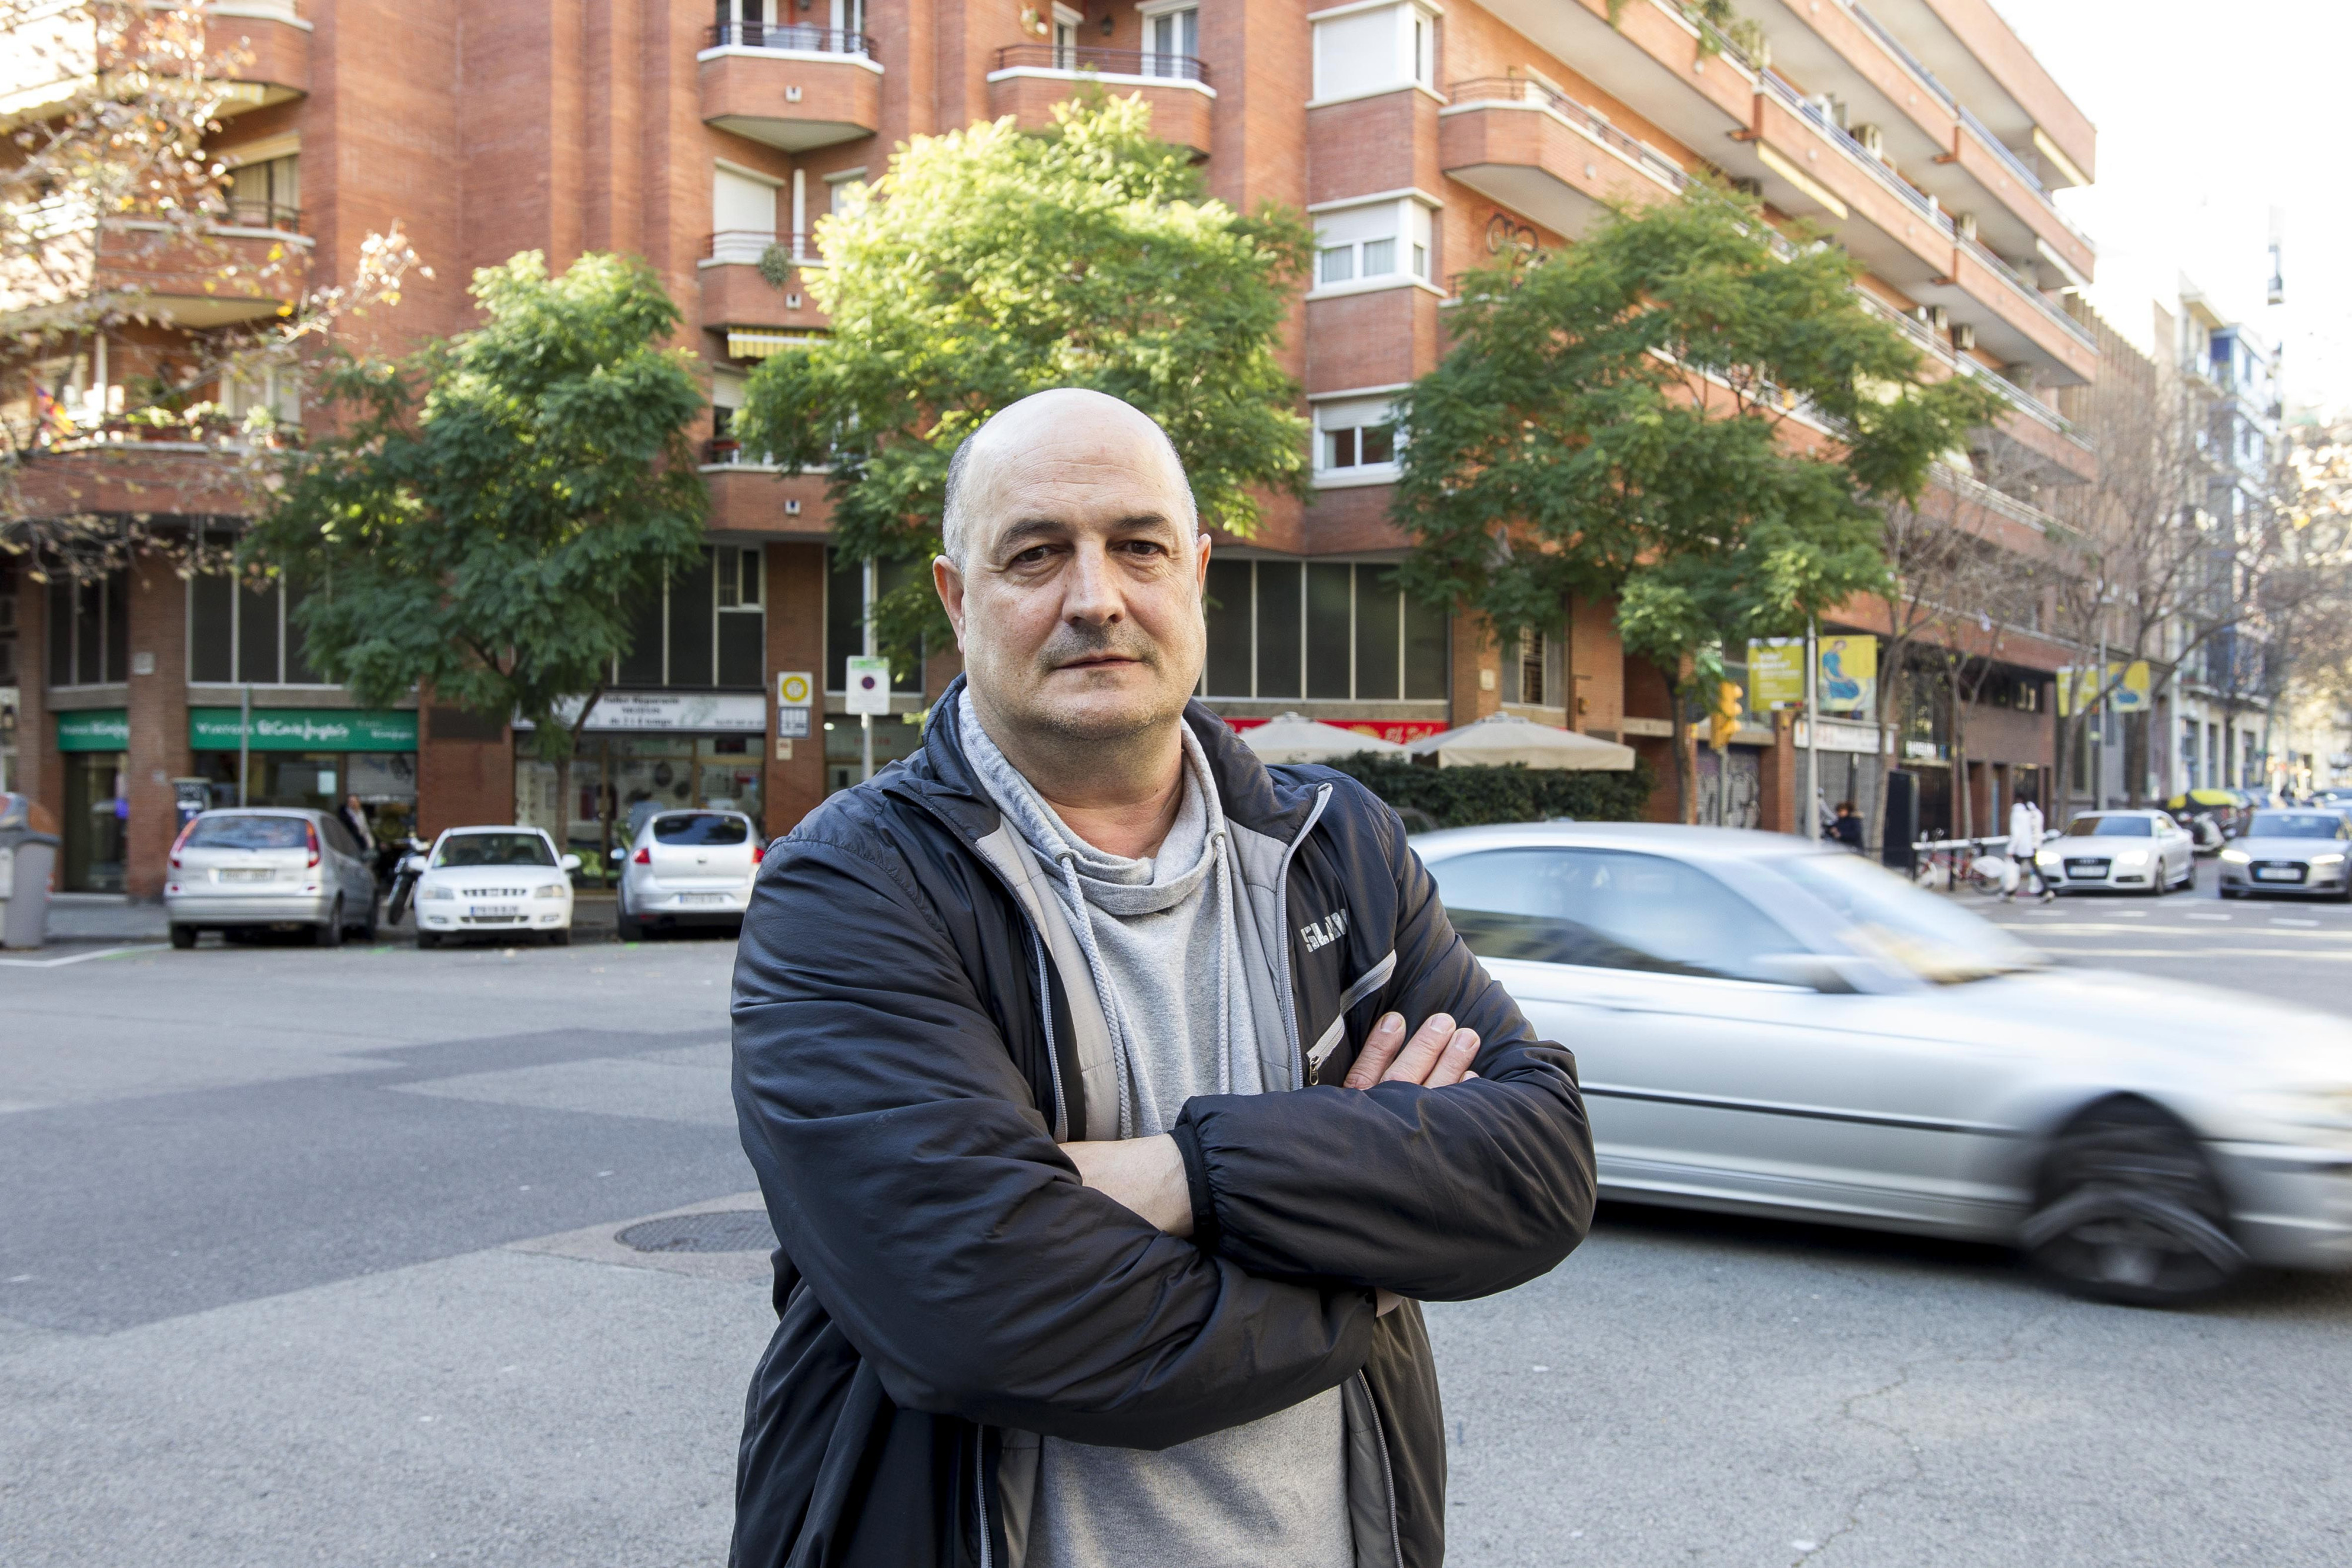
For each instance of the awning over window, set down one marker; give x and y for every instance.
(742, 344)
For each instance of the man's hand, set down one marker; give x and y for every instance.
(1438, 1055)
(1146, 1174)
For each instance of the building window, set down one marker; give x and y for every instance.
(1356, 438)
(1533, 676)
(1171, 42)
(742, 214)
(845, 608)
(1325, 631)
(1378, 50)
(89, 630)
(277, 390)
(706, 630)
(1379, 242)
(245, 634)
(267, 194)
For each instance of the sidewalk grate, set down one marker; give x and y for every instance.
(728, 1230)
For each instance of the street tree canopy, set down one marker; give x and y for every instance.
(493, 508)
(991, 263)
(1685, 411)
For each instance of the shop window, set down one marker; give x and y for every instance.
(706, 628)
(845, 617)
(89, 630)
(246, 634)
(1328, 631)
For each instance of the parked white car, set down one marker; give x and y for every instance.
(688, 868)
(495, 882)
(259, 867)
(2127, 852)
(1764, 1026)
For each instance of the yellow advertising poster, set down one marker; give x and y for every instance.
(1776, 673)
(2078, 687)
(1849, 673)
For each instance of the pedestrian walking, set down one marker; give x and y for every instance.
(355, 818)
(1115, 1096)
(2025, 830)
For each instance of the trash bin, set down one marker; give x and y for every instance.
(27, 856)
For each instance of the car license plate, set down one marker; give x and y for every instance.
(2277, 874)
(2086, 868)
(497, 911)
(264, 874)
(702, 898)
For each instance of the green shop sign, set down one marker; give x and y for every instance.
(94, 729)
(305, 729)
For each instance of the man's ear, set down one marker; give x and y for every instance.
(1201, 564)
(948, 582)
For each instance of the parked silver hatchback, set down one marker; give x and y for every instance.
(268, 866)
(688, 868)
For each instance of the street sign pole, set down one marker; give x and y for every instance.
(866, 720)
(1813, 802)
(243, 740)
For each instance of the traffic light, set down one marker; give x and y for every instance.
(1723, 719)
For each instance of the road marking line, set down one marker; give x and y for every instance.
(80, 957)
(2278, 920)
(2223, 917)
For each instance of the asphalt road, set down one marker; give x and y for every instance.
(309, 1257)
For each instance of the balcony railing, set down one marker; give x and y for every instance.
(2025, 286)
(1925, 204)
(1515, 90)
(1929, 338)
(250, 215)
(1891, 46)
(789, 37)
(749, 245)
(1078, 59)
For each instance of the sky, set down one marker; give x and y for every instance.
(2210, 113)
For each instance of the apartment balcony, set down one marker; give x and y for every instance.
(1031, 78)
(2034, 443)
(736, 299)
(1690, 85)
(1547, 156)
(790, 87)
(1986, 66)
(116, 466)
(749, 494)
(1839, 50)
(273, 43)
(243, 267)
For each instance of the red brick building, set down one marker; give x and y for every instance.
(1421, 138)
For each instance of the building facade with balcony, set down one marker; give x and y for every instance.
(1422, 139)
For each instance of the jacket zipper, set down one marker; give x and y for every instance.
(1282, 937)
(1045, 1012)
(979, 1485)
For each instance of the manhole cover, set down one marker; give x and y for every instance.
(728, 1230)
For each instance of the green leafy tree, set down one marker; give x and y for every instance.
(493, 509)
(1684, 412)
(991, 263)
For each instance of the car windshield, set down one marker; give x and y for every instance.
(2111, 828)
(219, 833)
(493, 849)
(2295, 825)
(1886, 916)
(700, 828)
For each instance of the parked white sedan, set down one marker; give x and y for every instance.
(495, 882)
(688, 868)
(1762, 1026)
(2129, 852)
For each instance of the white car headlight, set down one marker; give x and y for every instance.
(548, 890)
(2047, 857)
(2319, 861)
(2131, 859)
(2236, 857)
(437, 892)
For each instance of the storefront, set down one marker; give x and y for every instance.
(642, 752)
(312, 756)
(94, 744)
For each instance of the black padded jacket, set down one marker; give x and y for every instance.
(908, 1056)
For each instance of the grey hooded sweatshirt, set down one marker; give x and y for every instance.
(1162, 945)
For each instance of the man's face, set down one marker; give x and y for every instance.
(1078, 605)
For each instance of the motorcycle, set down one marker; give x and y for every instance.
(405, 876)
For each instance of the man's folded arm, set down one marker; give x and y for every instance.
(921, 1195)
(1438, 1194)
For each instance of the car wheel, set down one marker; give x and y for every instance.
(560, 938)
(368, 926)
(330, 934)
(626, 925)
(183, 937)
(428, 939)
(2228, 891)
(2129, 1211)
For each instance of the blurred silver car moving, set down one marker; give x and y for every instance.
(1767, 1026)
(2290, 851)
(248, 868)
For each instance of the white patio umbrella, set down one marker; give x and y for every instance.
(1503, 738)
(1295, 738)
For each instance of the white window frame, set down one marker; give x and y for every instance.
(1337, 406)
(236, 640)
(1345, 225)
(1151, 11)
(1414, 55)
